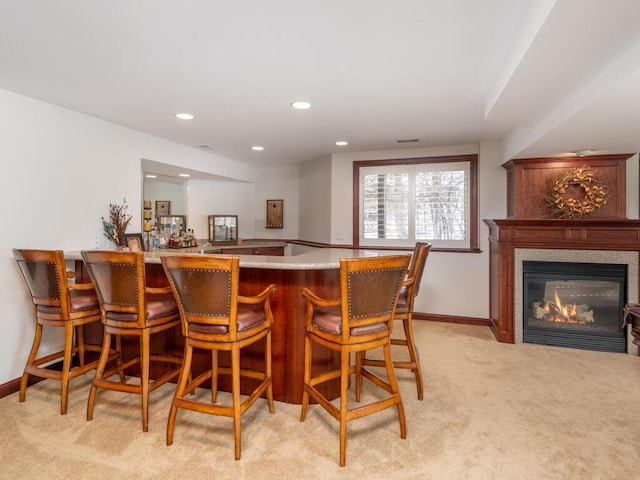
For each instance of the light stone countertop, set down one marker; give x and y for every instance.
(317, 259)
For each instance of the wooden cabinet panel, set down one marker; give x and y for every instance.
(274, 251)
(253, 250)
(528, 181)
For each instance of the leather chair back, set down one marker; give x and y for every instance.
(416, 268)
(44, 272)
(369, 289)
(120, 282)
(53, 296)
(206, 289)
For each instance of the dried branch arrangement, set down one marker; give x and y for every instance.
(116, 226)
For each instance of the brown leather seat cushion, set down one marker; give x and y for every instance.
(158, 305)
(329, 319)
(248, 316)
(80, 300)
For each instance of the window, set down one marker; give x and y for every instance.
(400, 202)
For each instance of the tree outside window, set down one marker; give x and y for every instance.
(400, 202)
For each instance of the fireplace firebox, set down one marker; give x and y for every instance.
(574, 305)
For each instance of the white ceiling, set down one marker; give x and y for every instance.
(545, 77)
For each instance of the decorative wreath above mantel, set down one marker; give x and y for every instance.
(561, 195)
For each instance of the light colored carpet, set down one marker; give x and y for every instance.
(491, 411)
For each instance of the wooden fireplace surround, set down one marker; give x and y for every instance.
(529, 226)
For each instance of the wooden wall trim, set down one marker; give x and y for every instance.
(13, 386)
(433, 317)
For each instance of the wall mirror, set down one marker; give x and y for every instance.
(223, 229)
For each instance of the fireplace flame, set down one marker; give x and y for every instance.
(562, 313)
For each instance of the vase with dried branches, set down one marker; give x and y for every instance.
(116, 225)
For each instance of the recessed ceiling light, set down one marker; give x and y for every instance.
(184, 175)
(301, 105)
(184, 116)
(149, 175)
(257, 148)
(341, 143)
(583, 153)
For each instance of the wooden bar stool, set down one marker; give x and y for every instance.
(216, 317)
(404, 313)
(357, 321)
(58, 302)
(129, 308)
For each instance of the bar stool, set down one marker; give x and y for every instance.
(632, 318)
(216, 318)
(57, 302)
(357, 321)
(404, 312)
(131, 309)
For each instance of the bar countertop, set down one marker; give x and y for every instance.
(317, 259)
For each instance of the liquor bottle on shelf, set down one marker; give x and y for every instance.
(155, 241)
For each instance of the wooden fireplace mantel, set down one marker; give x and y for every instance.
(507, 235)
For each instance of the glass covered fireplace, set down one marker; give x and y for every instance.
(575, 305)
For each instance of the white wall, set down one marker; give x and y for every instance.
(454, 283)
(61, 169)
(279, 183)
(316, 218)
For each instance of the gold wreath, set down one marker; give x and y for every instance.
(595, 194)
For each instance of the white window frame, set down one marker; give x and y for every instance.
(467, 163)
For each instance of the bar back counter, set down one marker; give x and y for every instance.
(318, 270)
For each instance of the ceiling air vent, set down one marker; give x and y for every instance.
(205, 146)
(408, 140)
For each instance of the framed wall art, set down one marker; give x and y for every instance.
(135, 242)
(163, 207)
(275, 214)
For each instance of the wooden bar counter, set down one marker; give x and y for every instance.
(318, 270)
